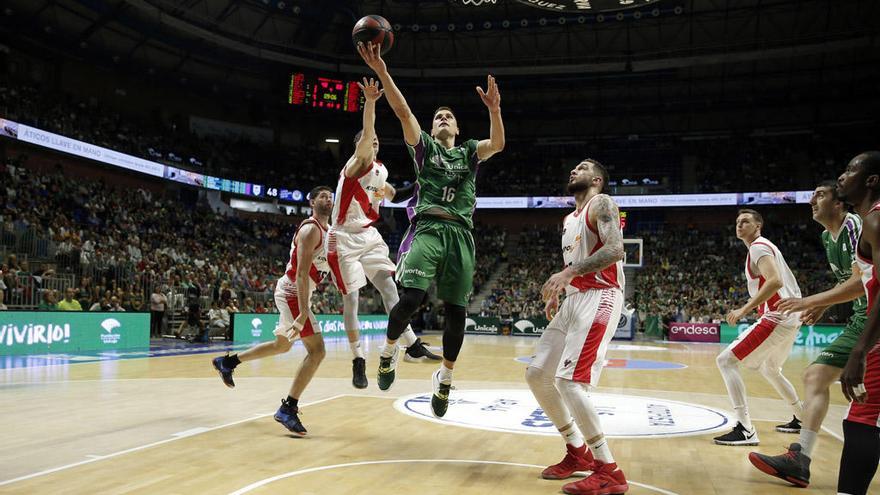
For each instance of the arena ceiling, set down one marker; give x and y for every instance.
(658, 62)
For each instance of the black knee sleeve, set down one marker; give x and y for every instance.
(453, 334)
(403, 311)
(858, 462)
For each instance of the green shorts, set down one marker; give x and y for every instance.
(441, 250)
(838, 352)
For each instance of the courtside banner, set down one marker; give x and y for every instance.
(259, 327)
(39, 332)
(695, 332)
(808, 336)
(60, 143)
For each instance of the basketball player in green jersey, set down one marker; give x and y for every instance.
(840, 238)
(444, 200)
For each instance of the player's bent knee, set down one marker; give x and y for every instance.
(282, 344)
(536, 377)
(726, 360)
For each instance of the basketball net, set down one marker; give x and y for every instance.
(476, 3)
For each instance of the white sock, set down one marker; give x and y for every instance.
(798, 409)
(408, 337)
(445, 375)
(601, 451)
(807, 440)
(356, 350)
(388, 349)
(742, 415)
(572, 435)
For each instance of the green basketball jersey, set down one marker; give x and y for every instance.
(446, 178)
(841, 253)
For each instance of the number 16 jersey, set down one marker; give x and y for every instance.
(446, 178)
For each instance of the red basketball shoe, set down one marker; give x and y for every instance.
(576, 459)
(605, 480)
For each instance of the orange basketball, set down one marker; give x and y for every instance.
(373, 28)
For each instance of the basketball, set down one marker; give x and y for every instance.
(373, 28)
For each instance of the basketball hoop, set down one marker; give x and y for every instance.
(476, 3)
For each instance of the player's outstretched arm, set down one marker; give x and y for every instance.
(372, 55)
(854, 372)
(607, 218)
(492, 99)
(363, 152)
(850, 290)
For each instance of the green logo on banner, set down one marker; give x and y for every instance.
(256, 327)
(812, 336)
(32, 332)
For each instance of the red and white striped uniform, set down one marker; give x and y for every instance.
(759, 248)
(576, 341)
(286, 296)
(355, 249)
(869, 412)
(769, 340)
(357, 200)
(580, 239)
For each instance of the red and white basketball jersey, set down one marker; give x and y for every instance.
(759, 248)
(318, 270)
(580, 239)
(357, 201)
(869, 275)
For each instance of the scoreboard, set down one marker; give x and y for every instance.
(324, 92)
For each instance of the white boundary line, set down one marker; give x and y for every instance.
(95, 458)
(291, 474)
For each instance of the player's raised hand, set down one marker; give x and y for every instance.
(372, 55)
(491, 97)
(371, 89)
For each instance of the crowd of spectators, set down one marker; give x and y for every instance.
(115, 246)
(534, 168)
(697, 276)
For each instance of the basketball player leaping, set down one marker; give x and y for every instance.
(443, 246)
(766, 344)
(293, 292)
(570, 353)
(840, 238)
(355, 249)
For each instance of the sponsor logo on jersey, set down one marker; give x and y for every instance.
(517, 411)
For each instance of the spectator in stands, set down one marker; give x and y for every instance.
(69, 303)
(158, 303)
(2, 291)
(137, 305)
(115, 306)
(102, 304)
(48, 303)
(248, 305)
(218, 320)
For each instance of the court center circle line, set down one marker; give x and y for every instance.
(291, 474)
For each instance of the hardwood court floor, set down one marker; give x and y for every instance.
(168, 425)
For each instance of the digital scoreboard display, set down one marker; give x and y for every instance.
(324, 93)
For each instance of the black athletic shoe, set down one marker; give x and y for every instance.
(793, 466)
(387, 370)
(793, 426)
(289, 417)
(440, 397)
(419, 352)
(739, 436)
(359, 373)
(225, 371)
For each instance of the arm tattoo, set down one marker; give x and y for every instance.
(608, 224)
